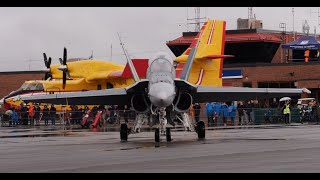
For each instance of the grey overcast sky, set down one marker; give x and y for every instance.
(28, 32)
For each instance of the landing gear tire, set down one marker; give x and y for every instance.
(168, 134)
(124, 132)
(201, 130)
(157, 135)
(86, 126)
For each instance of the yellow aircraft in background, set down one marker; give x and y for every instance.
(96, 74)
(82, 75)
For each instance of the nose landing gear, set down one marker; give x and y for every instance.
(167, 133)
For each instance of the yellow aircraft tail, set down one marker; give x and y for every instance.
(208, 60)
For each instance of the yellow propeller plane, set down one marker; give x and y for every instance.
(82, 75)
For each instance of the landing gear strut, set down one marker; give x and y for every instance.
(161, 127)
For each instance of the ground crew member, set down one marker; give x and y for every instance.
(306, 55)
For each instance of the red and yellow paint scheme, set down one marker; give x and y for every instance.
(97, 74)
(208, 62)
(85, 75)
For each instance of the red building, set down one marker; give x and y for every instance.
(261, 61)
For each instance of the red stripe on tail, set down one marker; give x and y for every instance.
(222, 47)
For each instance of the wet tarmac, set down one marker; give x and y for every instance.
(258, 148)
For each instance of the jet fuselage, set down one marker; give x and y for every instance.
(161, 74)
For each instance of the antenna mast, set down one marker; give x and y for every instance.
(187, 20)
(318, 12)
(249, 12)
(196, 19)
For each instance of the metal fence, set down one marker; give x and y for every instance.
(251, 116)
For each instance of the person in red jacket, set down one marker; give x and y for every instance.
(306, 55)
(31, 114)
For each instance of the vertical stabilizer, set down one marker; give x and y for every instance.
(129, 61)
(207, 61)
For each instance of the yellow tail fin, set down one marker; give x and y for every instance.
(208, 62)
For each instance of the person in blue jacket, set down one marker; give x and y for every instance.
(224, 112)
(232, 113)
(209, 113)
(214, 114)
(216, 110)
(14, 117)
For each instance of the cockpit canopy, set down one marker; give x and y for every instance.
(161, 69)
(161, 55)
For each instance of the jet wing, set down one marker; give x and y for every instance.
(211, 94)
(96, 97)
(116, 96)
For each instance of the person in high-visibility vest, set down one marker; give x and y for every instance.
(286, 112)
(306, 55)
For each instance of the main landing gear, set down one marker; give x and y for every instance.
(200, 130)
(124, 132)
(168, 134)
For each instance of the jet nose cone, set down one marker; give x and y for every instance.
(161, 94)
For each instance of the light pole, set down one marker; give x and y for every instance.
(283, 27)
(293, 34)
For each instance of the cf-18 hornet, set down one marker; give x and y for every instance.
(162, 96)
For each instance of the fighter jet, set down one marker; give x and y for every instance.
(161, 94)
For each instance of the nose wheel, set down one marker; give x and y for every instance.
(157, 135)
(168, 134)
(124, 132)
